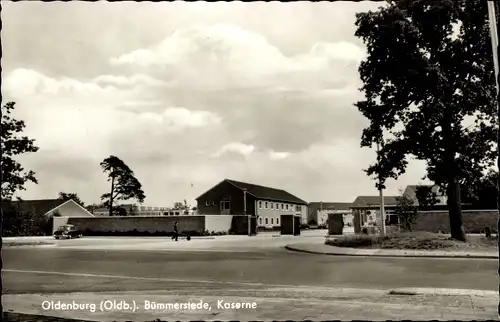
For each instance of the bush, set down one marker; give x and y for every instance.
(421, 240)
(354, 241)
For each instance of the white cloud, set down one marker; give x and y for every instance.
(128, 81)
(179, 117)
(25, 82)
(235, 147)
(223, 55)
(278, 155)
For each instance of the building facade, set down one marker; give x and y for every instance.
(141, 210)
(231, 197)
(269, 212)
(367, 210)
(319, 211)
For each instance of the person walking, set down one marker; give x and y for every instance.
(176, 232)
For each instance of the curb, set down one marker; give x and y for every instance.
(14, 244)
(290, 248)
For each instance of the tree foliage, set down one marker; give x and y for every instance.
(182, 206)
(426, 196)
(407, 211)
(124, 184)
(13, 144)
(71, 196)
(430, 92)
(17, 222)
(482, 192)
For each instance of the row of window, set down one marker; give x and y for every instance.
(226, 205)
(277, 206)
(148, 208)
(266, 221)
(142, 213)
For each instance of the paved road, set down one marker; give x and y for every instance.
(232, 268)
(46, 270)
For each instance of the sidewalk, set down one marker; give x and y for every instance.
(318, 248)
(27, 241)
(270, 304)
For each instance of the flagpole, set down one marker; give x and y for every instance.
(493, 8)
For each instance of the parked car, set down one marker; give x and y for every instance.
(67, 232)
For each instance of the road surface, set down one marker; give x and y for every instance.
(28, 270)
(301, 285)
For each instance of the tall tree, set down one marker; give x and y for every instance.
(71, 196)
(13, 143)
(429, 88)
(124, 184)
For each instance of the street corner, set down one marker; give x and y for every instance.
(323, 249)
(493, 295)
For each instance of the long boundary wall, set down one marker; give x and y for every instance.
(474, 221)
(156, 225)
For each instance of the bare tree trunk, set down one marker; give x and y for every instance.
(455, 210)
(111, 194)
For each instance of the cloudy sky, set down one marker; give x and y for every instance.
(191, 93)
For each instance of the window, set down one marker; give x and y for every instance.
(260, 204)
(213, 203)
(286, 206)
(272, 205)
(298, 208)
(260, 221)
(266, 204)
(277, 221)
(224, 205)
(266, 221)
(207, 203)
(272, 221)
(282, 206)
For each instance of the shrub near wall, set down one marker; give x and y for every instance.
(474, 221)
(138, 225)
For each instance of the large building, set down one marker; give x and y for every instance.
(368, 207)
(141, 210)
(230, 197)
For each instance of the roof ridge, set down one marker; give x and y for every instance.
(256, 185)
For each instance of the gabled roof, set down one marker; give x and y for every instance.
(37, 207)
(314, 206)
(262, 192)
(373, 201)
